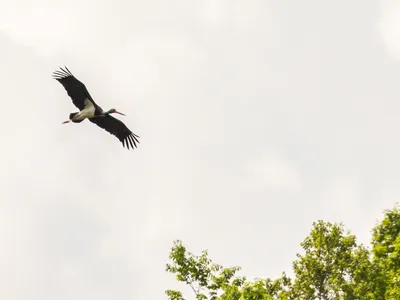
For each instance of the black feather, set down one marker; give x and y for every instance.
(116, 128)
(75, 89)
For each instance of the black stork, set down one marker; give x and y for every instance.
(81, 98)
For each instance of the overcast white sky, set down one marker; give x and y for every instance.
(256, 118)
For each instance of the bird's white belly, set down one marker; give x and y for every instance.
(87, 112)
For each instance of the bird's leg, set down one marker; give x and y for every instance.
(66, 121)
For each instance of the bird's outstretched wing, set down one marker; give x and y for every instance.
(75, 89)
(116, 128)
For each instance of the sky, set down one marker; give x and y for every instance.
(256, 118)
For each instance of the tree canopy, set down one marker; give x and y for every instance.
(333, 266)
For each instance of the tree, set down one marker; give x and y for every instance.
(386, 255)
(203, 276)
(214, 282)
(333, 265)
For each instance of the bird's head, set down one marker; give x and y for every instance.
(114, 111)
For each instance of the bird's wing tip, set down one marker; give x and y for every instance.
(61, 73)
(130, 142)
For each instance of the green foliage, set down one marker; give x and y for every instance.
(174, 295)
(214, 282)
(332, 267)
(386, 254)
(200, 273)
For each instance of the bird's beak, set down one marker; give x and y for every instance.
(66, 121)
(120, 113)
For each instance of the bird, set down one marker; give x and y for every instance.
(88, 109)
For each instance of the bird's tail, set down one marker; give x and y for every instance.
(71, 115)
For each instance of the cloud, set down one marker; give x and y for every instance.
(340, 195)
(239, 15)
(255, 120)
(275, 171)
(389, 26)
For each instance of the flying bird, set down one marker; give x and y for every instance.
(88, 109)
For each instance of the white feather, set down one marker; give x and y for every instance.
(87, 112)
